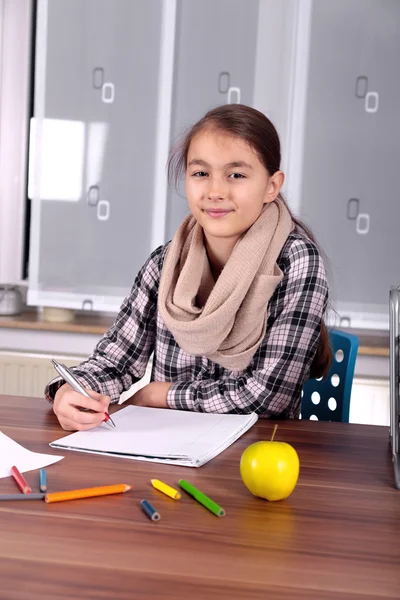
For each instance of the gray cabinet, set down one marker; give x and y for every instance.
(215, 57)
(94, 143)
(351, 154)
(96, 160)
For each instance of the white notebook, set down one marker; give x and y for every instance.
(161, 435)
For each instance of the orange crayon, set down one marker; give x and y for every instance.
(104, 490)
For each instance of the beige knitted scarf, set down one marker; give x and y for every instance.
(223, 320)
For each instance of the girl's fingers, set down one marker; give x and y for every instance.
(71, 409)
(72, 414)
(88, 403)
(99, 397)
(99, 403)
(85, 418)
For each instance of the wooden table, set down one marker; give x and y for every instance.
(336, 537)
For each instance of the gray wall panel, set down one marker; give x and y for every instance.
(350, 153)
(212, 38)
(103, 256)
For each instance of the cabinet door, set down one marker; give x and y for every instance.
(96, 102)
(215, 61)
(351, 153)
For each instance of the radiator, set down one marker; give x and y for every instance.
(370, 402)
(23, 374)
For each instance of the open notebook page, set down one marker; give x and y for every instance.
(162, 435)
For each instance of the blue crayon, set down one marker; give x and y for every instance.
(43, 480)
(150, 511)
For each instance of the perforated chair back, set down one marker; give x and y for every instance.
(328, 399)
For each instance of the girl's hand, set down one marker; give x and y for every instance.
(153, 395)
(67, 405)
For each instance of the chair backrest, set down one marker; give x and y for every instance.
(328, 399)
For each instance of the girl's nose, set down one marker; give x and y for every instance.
(216, 191)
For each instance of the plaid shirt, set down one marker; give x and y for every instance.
(270, 386)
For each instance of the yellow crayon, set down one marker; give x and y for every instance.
(165, 489)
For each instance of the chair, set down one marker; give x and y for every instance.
(328, 398)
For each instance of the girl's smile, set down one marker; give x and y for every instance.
(216, 213)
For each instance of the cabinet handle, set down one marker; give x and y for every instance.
(93, 195)
(231, 92)
(345, 322)
(87, 305)
(103, 215)
(361, 86)
(362, 228)
(353, 208)
(108, 92)
(98, 77)
(223, 82)
(371, 102)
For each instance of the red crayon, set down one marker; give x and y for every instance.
(20, 480)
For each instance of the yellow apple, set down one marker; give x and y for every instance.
(270, 469)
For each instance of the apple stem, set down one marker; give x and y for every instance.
(273, 435)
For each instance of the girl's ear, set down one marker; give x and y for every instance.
(274, 186)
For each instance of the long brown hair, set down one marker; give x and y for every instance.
(255, 129)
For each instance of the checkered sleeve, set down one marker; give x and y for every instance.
(271, 385)
(121, 356)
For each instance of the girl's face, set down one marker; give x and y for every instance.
(227, 185)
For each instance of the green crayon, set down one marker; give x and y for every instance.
(202, 498)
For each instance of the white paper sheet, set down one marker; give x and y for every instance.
(161, 435)
(13, 454)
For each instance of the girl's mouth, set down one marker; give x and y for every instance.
(217, 213)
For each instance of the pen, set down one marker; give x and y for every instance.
(70, 378)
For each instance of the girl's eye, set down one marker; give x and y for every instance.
(200, 174)
(236, 176)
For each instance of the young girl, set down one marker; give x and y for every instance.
(233, 307)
